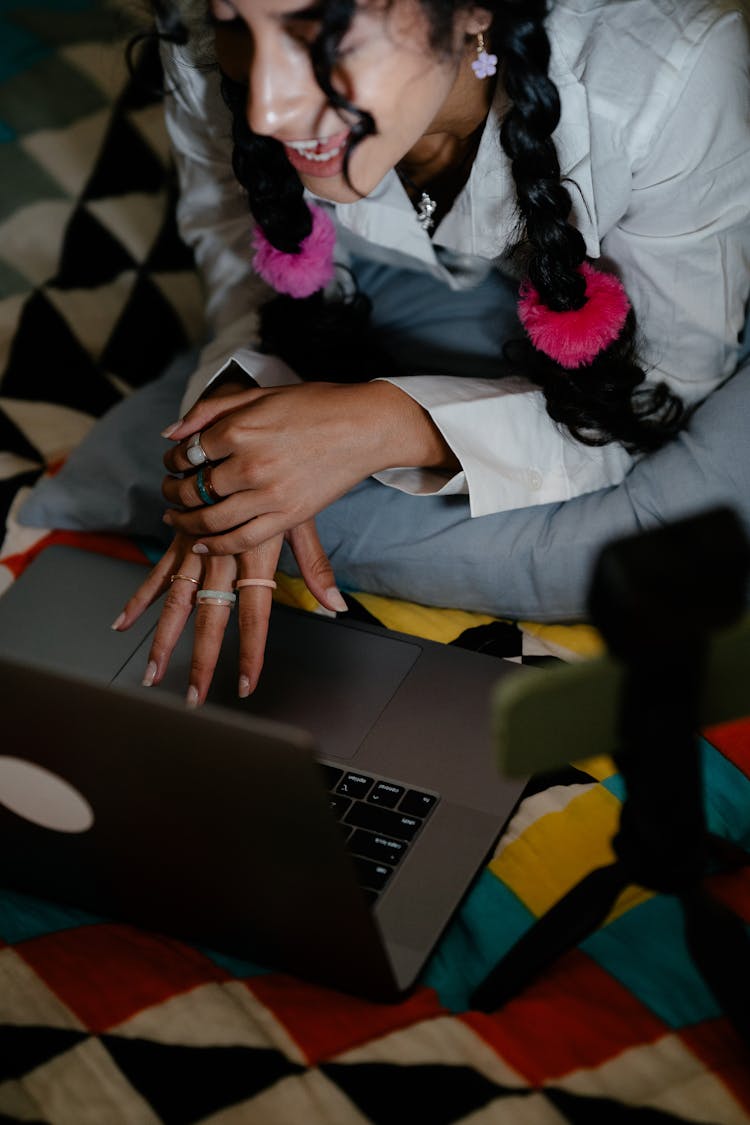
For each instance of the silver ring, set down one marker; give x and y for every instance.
(195, 452)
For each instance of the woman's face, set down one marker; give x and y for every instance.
(386, 66)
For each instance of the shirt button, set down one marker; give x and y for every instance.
(535, 480)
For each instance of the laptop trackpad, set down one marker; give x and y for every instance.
(323, 676)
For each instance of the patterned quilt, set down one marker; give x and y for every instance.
(102, 1023)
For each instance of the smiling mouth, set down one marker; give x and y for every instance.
(319, 151)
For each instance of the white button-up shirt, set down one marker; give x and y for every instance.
(654, 142)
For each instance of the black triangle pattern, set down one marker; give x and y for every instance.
(146, 337)
(568, 775)
(9, 488)
(24, 1048)
(184, 1084)
(90, 255)
(401, 1095)
(169, 252)
(126, 163)
(581, 1110)
(498, 638)
(15, 441)
(48, 364)
(5, 1120)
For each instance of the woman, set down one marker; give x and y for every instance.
(438, 168)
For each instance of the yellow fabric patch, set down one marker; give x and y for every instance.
(571, 641)
(601, 767)
(426, 621)
(559, 848)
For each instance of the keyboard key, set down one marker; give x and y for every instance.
(373, 875)
(355, 785)
(383, 821)
(377, 847)
(417, 804)
(331, 775)
(338, 805)
(386, 794)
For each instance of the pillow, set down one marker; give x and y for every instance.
(112, 480)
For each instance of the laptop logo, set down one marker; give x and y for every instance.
(38, 795)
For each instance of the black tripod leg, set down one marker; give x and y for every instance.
(576, 915)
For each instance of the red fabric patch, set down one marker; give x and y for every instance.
(324, 1023)
(733, 889)
(577, 1016)
(733, 739)
(106, 973)
(115, 546)
(718, 1045)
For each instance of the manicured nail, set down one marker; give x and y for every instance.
(171, 429)
(168, 519)
(200, 549)
(150, 674)
(117, 623)
(192, 696)
(244, 687)
(333, 597)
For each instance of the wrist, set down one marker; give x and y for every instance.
(408, 436)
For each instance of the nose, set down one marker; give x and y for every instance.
(282, 92)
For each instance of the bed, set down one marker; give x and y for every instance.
(103, 1023)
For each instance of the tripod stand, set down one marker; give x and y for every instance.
(657, 599)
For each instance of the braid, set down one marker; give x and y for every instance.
(602, 401)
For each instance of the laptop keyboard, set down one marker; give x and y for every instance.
(379, 818)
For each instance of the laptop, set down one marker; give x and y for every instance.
(330, 825)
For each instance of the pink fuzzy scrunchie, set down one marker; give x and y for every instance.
(301, 274)
(576, 337)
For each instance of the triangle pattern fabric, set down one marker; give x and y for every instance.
(168, 251)
(25, 1048)
(90, 255)
(15, 441)
(147, 336)
(47, 363)
(389, 1094)
(126, 164)
(185, 1084)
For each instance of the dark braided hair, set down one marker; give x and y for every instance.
(322, 337)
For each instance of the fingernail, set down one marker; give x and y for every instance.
(118, 621)
(149, 675)
(191, 698)
(168, 519)
(244, 687)
(171, 429)
(200, 549)
(333, 597)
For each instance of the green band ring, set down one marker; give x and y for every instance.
(200, 484)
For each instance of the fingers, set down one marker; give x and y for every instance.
(254, 608)
(223, 517)
(211, 620)
(183, 584)
(154, 585)
(315, 566)
(245, 537)
(213, 431)
(205, 412)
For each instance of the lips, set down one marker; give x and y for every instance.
(318, 157)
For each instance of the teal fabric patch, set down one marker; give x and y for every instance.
(23, 917)
(645, 951)
(727, 791)
(67, 88)
(490, 921)
(237, 966)
(19, 49)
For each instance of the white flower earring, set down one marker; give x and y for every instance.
(484, 65)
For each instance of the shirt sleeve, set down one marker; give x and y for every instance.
(683, 245)
(683, 251)
(213, 219)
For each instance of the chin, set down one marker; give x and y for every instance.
(335, 189)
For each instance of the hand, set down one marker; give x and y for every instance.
(253, 605)
(286, 453)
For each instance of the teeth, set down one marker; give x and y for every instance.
(307, 149)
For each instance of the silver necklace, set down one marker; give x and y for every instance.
(426, 207)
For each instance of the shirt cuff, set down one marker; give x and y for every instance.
(266, 370)
(512, 454)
